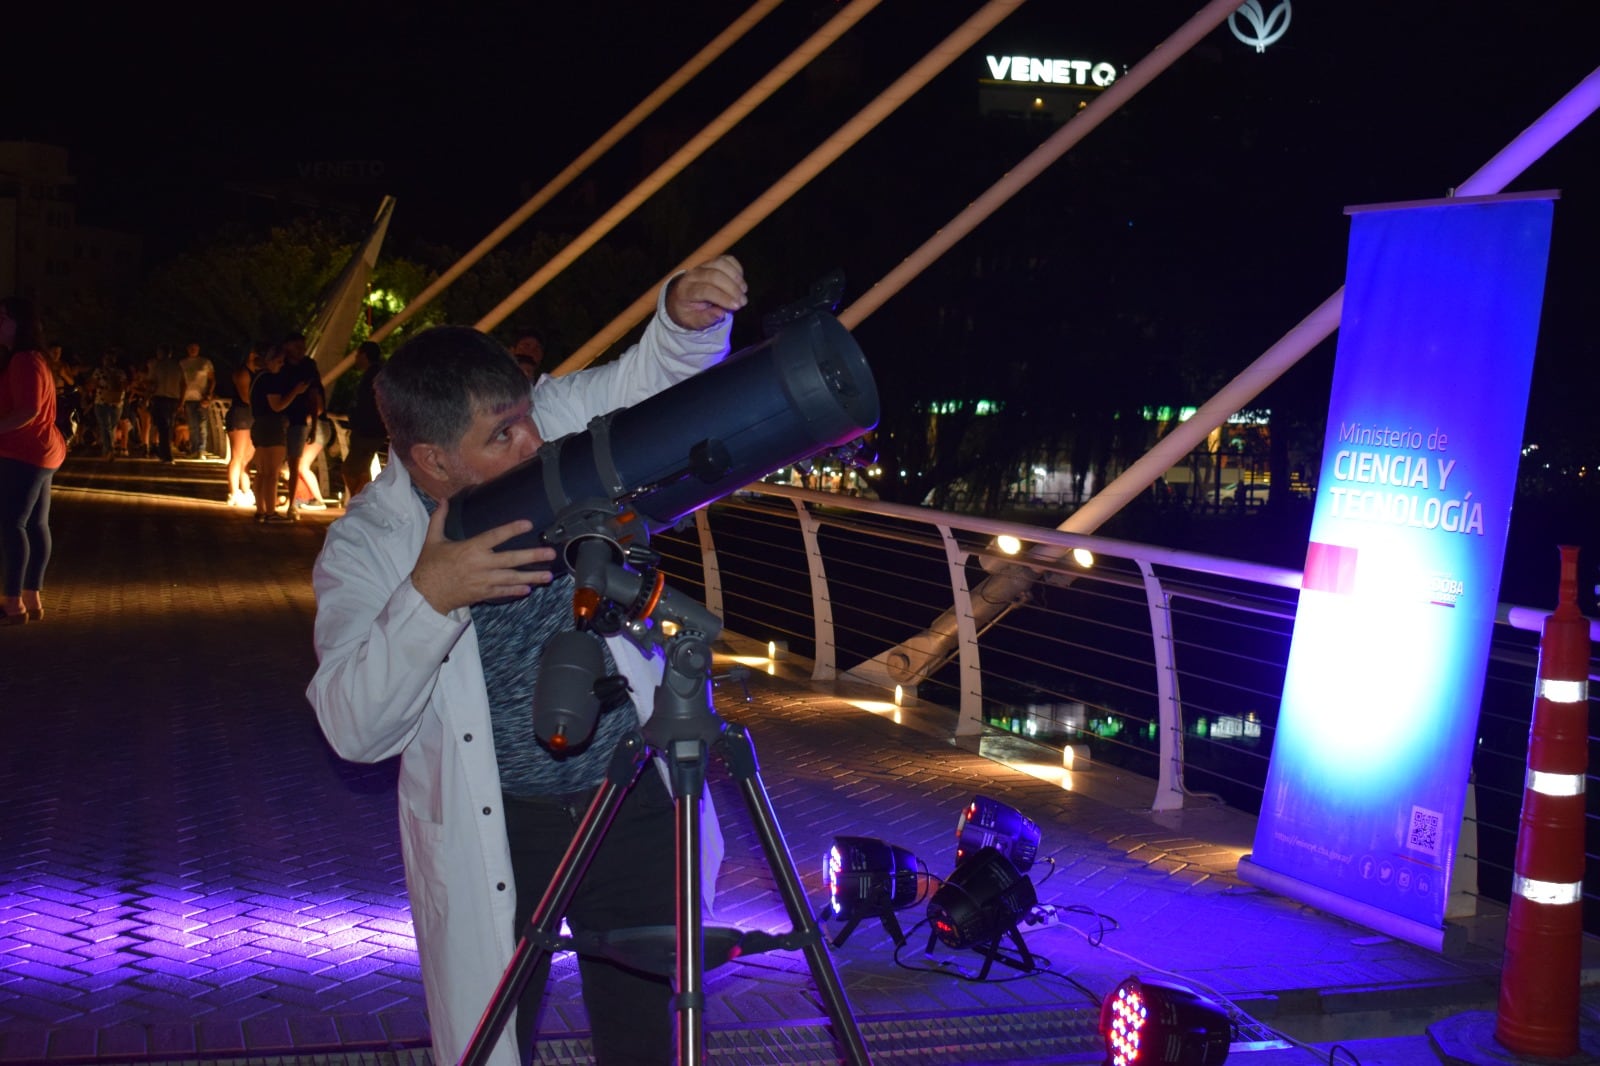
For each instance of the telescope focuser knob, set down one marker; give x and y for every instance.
(585, 606)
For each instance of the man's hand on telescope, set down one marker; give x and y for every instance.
(699, 297)
(458, 573)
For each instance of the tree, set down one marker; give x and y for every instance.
(236, 290)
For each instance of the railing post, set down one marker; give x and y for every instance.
(1169, 708)
(824, 664)
(708, 562)
(970, 720)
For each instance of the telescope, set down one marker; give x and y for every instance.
(804, 389)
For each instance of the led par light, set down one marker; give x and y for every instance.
(981, 901)
(988, 823)
(867, 878)
(1146, 1022)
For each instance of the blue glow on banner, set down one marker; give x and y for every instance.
(1375, 734)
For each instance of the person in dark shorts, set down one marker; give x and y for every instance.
(270, 395)
(239, 420)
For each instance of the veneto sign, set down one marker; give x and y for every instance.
(1021, 70)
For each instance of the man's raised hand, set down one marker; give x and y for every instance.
(458, 573)
(699, 297)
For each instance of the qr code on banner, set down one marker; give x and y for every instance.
(1425, 830)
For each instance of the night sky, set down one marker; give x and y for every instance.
(1365, 99)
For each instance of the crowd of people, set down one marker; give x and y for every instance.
(267, 418)
(269, 421)
(125, 407)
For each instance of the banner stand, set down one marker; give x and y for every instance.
(1451, 939)
(1367, 792)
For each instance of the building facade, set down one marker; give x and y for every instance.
(46, 255)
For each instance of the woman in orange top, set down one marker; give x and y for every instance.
(31, 451)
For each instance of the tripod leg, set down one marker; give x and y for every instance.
(690, 1001)
(740, 756)
(541, 931)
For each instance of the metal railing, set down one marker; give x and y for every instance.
(1166, 663)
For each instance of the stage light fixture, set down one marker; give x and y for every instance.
(1145, 1022)
(867, 878)
(988, 823)
(982, 901)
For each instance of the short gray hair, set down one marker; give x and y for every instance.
(434, 383)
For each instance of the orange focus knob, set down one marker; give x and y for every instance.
(585, 604)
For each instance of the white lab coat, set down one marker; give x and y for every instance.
(397, 678)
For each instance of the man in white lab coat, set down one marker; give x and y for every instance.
(428, 649)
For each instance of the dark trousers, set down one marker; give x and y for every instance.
(631, 881)
(107, 416)
(24, 526)
(357, 462)
(163, 412)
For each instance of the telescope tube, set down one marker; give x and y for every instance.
(804, 389)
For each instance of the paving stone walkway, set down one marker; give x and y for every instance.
(186, 871)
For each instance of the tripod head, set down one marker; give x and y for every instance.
(618, 588)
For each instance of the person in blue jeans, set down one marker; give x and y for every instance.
(110, 385)
(199, 384)
(32, 449)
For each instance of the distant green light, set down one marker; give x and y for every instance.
(385, 300)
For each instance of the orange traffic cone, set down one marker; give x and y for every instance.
(1542, 971)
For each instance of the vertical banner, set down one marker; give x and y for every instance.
(1369, 769)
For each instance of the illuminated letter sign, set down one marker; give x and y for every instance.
(1023, 70)
(1369, 768)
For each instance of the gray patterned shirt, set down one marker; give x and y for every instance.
(511, 639)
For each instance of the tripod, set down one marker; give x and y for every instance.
(684, 729)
